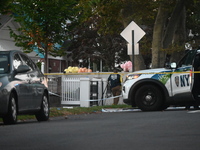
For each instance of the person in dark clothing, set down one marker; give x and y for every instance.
(196, 84)
(115, 85)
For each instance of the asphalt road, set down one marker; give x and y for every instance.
(132, 130)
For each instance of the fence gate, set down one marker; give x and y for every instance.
(70, 91)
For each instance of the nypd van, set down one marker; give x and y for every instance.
(156, 89)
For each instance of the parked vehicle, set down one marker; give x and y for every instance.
(156, 89)
(22, 88)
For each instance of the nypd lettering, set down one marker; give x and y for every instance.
(182, 80)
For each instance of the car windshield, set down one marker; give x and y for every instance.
(4, 65)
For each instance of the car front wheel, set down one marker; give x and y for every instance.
(149, 98)
(11, 117)
(43, 114)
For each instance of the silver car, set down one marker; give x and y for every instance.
(22, 88)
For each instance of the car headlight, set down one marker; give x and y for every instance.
(132, 76)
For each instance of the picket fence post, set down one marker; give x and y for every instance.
(84, 92)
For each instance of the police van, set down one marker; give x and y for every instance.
(156, 89)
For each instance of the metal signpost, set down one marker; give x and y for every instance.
(133, 50)
(132, 34)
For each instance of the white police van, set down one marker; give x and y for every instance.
(156, 89)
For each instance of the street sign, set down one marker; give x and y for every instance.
(127, 33)
(132, 34)
(136, 49)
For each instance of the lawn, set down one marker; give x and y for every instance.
(65, 111)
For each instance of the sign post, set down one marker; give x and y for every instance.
(132, 34)
(133, 50)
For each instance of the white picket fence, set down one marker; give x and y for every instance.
(70, 91)
(84, 92)
(78, 90)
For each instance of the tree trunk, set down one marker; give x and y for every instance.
(179, 38)
(158, 56)
(138, 62)
(173, 22)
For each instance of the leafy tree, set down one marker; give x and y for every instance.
(89, 44)
(108, 18)
(165, 24)
(98, 25)
(89, 40)
(43, 25)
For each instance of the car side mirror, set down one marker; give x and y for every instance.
(22, 69)
(173, 65)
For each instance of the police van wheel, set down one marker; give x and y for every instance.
(149, 98)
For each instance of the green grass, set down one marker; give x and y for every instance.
(60, 111)
(82, 110)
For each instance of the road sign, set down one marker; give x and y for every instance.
(132, 34)
(127, 33)
(136, 49)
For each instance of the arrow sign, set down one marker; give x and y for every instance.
(136, 49)
(132, 34)
(127, 33)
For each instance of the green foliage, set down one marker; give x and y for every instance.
(95, 26)
(39, 64)
(43, 24)
(88, 43)
(102, 21)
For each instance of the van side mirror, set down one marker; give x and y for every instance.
(173, 65)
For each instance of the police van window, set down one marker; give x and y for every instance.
(16, 61)
(187, 59)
